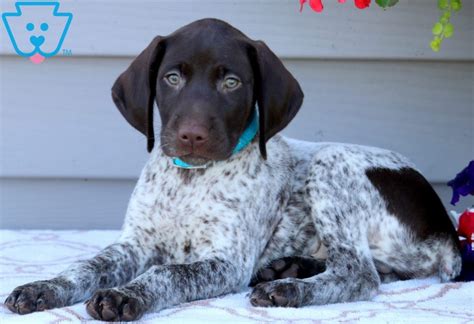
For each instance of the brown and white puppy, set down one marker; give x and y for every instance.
(309, 223)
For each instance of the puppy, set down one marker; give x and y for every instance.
(307, 223)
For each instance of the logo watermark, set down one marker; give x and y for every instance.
(37, 29)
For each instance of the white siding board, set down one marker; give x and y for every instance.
(124, 28)
(69, 160)
(61, 122)
(63, 204)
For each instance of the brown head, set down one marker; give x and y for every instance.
(206, 79)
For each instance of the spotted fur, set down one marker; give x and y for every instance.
(194, 234)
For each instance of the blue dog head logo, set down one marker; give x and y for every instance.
(37, 30)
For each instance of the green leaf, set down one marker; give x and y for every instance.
(446, 14)
(437, 29)
(435, 45)
(443, 28)
(448, 30)
(386, 3)
(443, 4)
(444, 20)
(456, 5)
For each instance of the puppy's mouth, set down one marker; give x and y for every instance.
(197, 156)
(197, 159)
(194, 159)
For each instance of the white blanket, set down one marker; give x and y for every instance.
(33, 255)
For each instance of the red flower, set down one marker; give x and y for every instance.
(302, 4)
(316, 5)
(362, 4)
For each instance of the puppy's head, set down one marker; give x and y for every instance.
(206, 78)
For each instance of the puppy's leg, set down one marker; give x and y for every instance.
(340, 209)
(418, 259)
(289, 267)
(167, 285)
(115, 265)
(350, 276)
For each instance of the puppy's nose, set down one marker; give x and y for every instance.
(193, 135)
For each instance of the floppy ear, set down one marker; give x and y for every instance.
(134, 91)
(277, 93)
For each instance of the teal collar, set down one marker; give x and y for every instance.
(247, 136)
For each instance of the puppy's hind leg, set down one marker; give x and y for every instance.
(289, 267)
(340, 215)
(433, 256)
(350, 276)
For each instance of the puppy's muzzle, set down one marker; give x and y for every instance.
(192, 136)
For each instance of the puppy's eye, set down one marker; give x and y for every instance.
(231, 83)
(173, 78)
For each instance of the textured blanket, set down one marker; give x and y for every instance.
(33, 255)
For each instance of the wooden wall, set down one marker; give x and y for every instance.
(69, 160)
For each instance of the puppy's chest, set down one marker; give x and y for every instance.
(180, 197)
(213, 211)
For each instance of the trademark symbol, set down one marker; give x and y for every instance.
(67, 52)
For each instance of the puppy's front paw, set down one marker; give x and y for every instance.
(113, 305)
(280, 293)
(36, 296)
